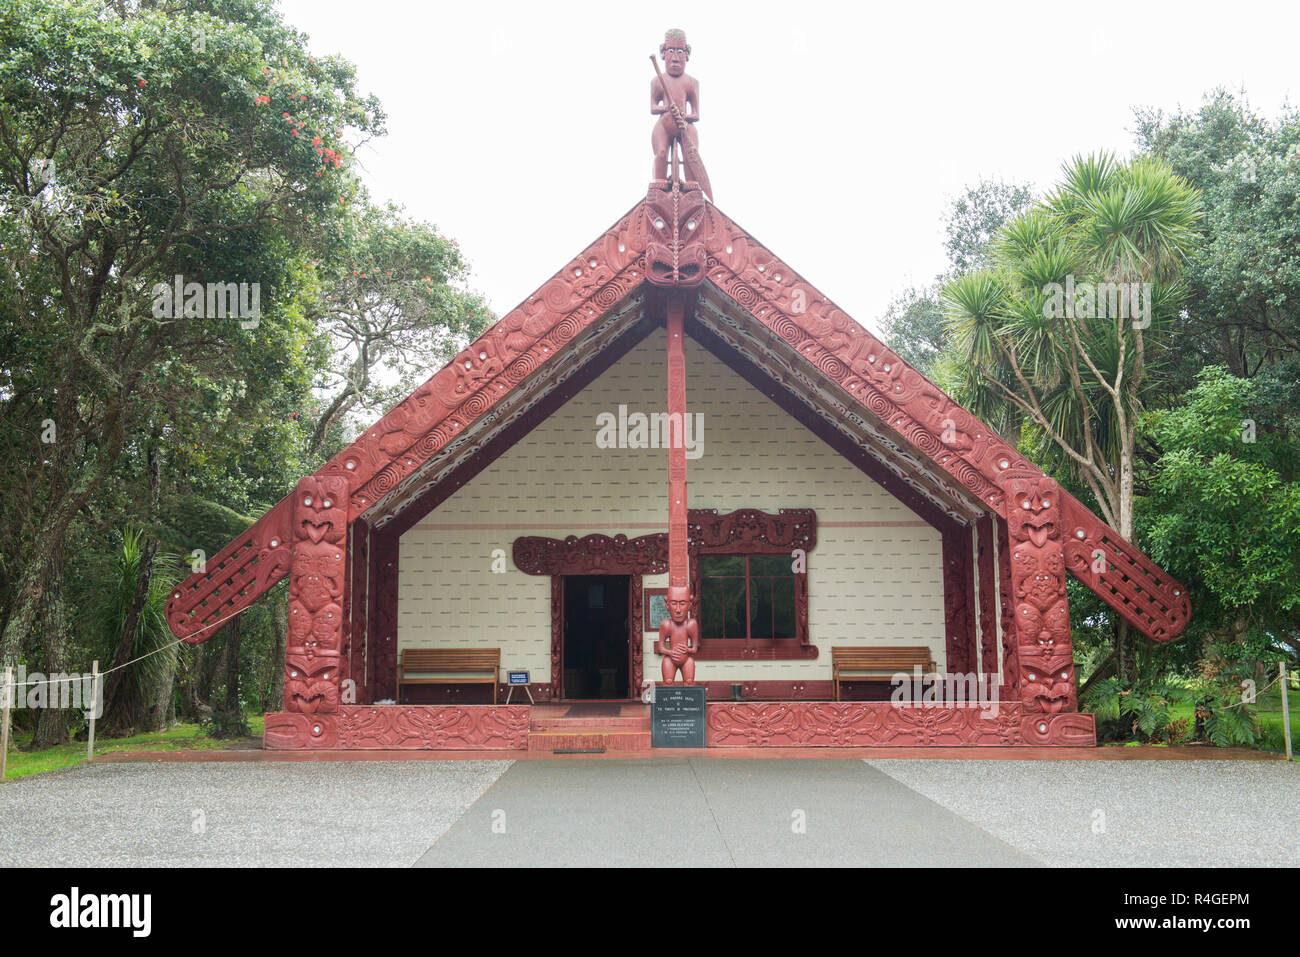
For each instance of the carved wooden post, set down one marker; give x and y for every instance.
(313, 663)
(988, 595)
(1042, 613)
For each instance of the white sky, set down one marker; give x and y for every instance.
(835, 133)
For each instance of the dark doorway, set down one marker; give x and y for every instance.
(596, 636)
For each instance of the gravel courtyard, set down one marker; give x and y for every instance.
(733, 813)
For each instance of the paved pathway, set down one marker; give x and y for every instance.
(712, 813)
(703, 811)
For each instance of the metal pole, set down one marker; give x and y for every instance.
(94, 703)
(1286, 711)
(5, 690)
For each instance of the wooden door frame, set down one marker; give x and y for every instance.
(635, 641)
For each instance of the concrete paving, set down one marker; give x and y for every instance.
(704, 812)
(663, 812)
(236, 815)
(1133, 813)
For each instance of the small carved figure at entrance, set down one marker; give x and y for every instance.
(675, 99)
(679, 636)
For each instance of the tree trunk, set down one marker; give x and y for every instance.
(195, 704)
(164, 702)
(52, 721)
(232, 668)
(124, 709)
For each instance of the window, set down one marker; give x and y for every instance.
(747, 597)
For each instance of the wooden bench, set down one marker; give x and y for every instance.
(891, 659)
(460, 660)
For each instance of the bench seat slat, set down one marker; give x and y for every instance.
(425, 660)
(895, 658)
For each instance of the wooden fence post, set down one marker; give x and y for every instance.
(94, 701)
(5, 692)
(1286, 711)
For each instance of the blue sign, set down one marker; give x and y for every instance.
(517, 677)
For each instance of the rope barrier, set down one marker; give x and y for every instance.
(54, 681)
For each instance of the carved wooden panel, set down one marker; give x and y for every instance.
(1042, 613)
(858, 724)
(592, 555)
(988, 597)
(1006, 610)
(958, 605)
(406, 727)
(317, 580)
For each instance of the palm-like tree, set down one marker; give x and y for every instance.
(1077, 375)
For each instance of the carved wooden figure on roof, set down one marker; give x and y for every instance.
(675, 99)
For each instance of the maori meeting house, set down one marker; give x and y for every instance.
(514, 541)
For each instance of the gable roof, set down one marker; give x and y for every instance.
(919, 443)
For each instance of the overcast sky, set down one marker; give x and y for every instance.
(835, 133)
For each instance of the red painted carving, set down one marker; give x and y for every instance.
(1006, 609)
(234, 578)
(957, 600)
(679, 637)
(316, 587)
(675, 99)
(557, 633)
(592, 555)
(356, 613)
(1042, 611)
(382, 629)
(988, 600)
(857, 724)
(426, 727)
(1134, 585)
(636, 639)
(844, 354)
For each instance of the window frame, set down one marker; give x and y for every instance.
(750, 648)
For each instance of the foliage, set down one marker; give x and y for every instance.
(1065, 326)
(1244, 277)
(1222, 511)
(1223, 713)
(1143, 709)
(154, 642)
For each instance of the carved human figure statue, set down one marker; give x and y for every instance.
(679, 636)
(677, 107)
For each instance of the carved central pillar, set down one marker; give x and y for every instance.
(679, 634)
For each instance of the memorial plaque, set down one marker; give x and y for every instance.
(677, 716)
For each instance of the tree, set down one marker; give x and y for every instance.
(1223, 508)
(1057, 330)
(1243, 304)
(914, 324)
(138, 144)
(388, 303)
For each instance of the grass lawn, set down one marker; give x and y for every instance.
(182, 737)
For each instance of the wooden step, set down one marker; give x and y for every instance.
(589, 740)
(561, 723)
